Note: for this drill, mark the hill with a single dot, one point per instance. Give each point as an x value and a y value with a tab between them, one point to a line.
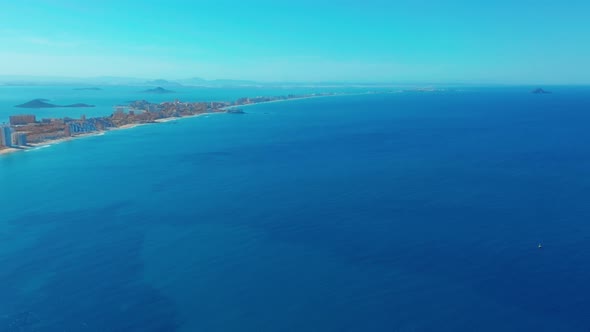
43	103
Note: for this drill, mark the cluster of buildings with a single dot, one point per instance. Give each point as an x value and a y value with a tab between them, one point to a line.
169	109
257	100
9	138
142	111
25	129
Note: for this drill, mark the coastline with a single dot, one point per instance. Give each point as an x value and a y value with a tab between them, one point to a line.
34	146
183	117
9	150
283	100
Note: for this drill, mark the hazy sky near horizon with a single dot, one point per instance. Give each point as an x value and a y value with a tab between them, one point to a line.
500	41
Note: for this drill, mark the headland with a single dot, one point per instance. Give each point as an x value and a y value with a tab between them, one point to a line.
26	132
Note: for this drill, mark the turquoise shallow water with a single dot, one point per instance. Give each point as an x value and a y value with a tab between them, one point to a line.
109	96
398	212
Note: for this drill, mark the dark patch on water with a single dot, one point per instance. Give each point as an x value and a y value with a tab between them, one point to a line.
21	322
439	212
85	274
463	200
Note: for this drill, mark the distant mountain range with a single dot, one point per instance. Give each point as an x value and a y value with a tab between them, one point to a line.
197	81
95	83
162	82
102	81
75	82
159	90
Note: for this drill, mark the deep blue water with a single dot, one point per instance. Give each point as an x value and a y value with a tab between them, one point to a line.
397	212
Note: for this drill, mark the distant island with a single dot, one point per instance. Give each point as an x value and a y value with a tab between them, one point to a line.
88	89
540	91
43	103
158	90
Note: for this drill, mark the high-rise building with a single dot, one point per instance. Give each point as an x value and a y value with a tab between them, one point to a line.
81	127
22	119
119	112
19	139
5	135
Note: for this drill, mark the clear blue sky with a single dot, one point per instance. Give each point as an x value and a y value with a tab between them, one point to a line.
496	41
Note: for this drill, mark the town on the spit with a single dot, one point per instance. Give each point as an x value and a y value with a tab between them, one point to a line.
25	130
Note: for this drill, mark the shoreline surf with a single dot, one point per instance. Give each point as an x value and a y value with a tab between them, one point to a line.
49	143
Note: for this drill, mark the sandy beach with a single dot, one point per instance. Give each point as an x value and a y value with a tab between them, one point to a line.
32	146
290	99
184	117
133	125
127	126
9	150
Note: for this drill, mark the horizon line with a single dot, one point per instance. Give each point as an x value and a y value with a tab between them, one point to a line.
67	80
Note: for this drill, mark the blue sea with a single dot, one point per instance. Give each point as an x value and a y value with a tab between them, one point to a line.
384	212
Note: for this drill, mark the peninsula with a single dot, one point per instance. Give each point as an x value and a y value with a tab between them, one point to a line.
44	103
26	131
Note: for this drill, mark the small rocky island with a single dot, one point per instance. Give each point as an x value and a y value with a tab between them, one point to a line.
540	91
159	90
44	103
